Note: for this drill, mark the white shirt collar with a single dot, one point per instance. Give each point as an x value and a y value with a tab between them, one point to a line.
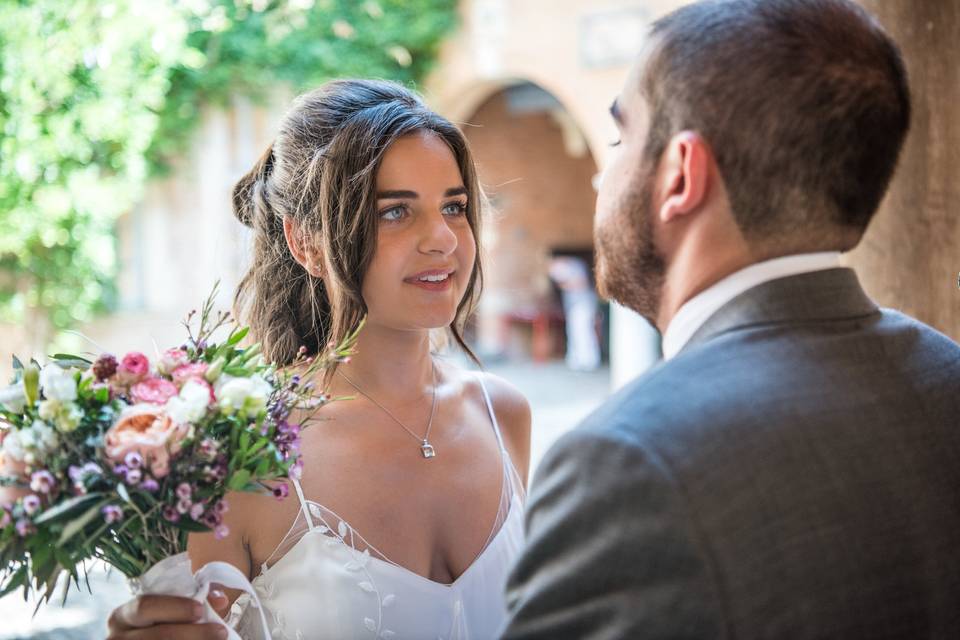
698	309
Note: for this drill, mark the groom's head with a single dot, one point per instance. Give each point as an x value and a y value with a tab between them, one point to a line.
749	129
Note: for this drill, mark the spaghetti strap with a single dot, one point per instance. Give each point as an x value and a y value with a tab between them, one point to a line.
303	503
493	416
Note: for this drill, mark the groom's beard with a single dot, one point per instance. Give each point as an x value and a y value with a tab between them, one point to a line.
630	269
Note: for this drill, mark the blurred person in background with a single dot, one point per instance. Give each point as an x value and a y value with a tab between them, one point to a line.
572	276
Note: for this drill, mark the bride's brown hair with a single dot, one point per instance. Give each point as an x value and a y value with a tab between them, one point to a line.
321	171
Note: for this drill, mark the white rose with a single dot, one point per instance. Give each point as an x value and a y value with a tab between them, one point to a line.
58	384
45	435
239	393
191	404
12	446
13	397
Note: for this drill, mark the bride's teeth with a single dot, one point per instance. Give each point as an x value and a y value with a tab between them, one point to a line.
437	278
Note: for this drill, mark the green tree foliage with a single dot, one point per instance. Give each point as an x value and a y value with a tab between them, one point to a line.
97	96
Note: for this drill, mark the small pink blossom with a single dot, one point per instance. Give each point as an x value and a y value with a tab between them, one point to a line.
133	368
31	504
153	390
43	482
149	484
171	360
221	532
184	505
112	513
196	511
184	491
193	370
170	514
134	476
25	528
5	518
281	491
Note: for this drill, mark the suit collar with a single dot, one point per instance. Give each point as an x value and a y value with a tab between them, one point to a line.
832	294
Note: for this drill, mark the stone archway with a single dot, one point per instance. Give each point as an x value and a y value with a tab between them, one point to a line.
537	168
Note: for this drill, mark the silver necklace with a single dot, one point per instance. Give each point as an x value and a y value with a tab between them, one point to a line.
426	449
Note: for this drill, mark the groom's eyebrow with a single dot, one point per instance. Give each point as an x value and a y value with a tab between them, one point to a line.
402	194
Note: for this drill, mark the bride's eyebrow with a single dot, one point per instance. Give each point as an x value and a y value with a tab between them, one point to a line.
402	194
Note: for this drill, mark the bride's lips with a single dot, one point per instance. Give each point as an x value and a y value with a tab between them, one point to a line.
432	284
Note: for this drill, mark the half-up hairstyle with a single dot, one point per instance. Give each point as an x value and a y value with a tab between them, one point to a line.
321	171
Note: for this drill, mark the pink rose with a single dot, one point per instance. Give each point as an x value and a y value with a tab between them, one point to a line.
133	368
153	390
185	372
172	359
144	428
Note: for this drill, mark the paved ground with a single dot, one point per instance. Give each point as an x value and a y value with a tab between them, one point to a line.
558	397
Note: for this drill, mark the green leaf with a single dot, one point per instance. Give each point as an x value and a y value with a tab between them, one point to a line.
76	526
237	336
122	490
244	441
18	579
239	480
67	507
102	395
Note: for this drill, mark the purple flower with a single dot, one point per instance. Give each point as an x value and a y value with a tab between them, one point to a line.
208	448
42	482
296	469
149	484
170	514
105	366
184	491
133	460
196	511
5	518
183	506
25	528
221	507
281	491
212	519
134	476
112	513
120	470
74	472
31	504
221	532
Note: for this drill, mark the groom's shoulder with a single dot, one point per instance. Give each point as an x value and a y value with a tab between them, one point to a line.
763	372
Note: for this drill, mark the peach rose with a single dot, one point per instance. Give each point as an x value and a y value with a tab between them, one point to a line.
144	428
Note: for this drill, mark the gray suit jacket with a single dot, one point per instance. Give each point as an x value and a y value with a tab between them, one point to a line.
793	473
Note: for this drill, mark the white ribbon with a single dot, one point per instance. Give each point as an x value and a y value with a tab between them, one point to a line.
173	576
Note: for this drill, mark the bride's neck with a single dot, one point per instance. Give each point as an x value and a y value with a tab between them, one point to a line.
390	363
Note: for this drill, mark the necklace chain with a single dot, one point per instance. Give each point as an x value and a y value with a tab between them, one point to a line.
426	449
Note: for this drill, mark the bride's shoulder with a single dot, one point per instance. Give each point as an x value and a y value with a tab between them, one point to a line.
511	409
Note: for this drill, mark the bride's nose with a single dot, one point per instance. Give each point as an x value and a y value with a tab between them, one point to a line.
436	236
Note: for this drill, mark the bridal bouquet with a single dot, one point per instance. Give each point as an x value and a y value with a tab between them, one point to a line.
123	459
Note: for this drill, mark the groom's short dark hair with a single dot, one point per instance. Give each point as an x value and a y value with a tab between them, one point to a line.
804	103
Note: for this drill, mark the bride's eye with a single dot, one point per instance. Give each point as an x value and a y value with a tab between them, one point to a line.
393	214
455	208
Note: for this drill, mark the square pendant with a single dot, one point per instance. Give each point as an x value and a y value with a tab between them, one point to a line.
427	450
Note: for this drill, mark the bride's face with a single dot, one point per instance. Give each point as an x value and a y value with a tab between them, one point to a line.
425	246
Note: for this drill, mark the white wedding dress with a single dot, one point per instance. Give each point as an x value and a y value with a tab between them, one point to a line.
325	581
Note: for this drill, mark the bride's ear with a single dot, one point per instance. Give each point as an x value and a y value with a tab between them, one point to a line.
304	249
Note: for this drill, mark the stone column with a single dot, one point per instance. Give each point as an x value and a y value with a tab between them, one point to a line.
910	256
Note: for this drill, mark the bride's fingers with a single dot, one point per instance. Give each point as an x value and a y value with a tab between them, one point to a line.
218	600
144	611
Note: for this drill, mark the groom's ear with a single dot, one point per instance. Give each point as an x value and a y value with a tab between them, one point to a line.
684	175
304	248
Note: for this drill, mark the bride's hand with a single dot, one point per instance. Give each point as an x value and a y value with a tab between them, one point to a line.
150	617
